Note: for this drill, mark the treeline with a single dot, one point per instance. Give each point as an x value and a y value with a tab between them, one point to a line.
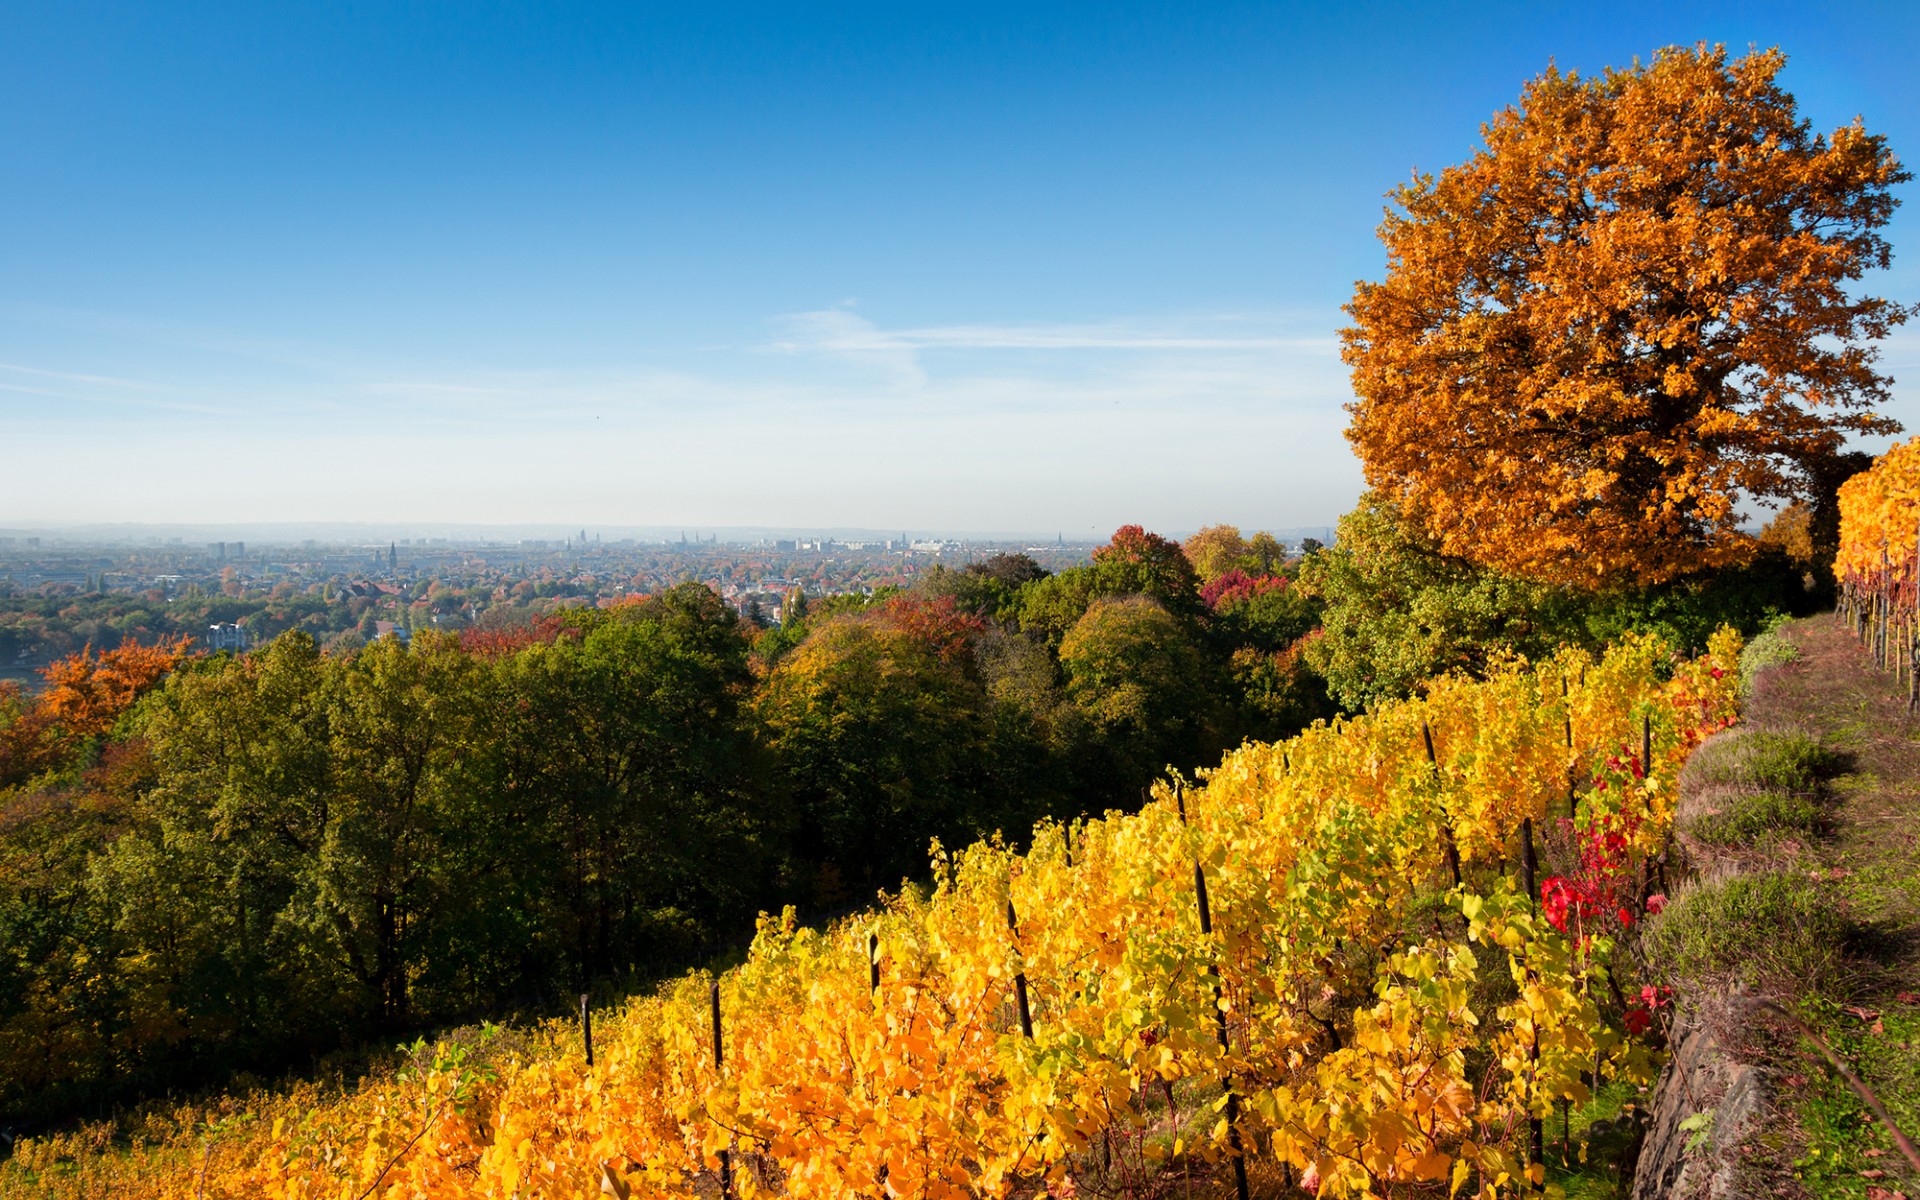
39	628
210	864
1397	609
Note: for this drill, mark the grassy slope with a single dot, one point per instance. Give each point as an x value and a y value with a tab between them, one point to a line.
1842	861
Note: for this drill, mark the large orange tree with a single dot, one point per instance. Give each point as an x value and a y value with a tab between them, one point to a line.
1624	316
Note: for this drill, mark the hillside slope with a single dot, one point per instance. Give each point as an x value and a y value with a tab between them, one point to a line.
1329	955
1803	829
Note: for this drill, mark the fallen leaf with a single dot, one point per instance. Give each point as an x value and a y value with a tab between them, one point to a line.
1876	1152
1878	1027
1876	1173
1865	1014
1908	997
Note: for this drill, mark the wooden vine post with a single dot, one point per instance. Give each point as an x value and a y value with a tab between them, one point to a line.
1446	821
1529	865
1529	875
586	1028
1913	627
1566	712
719	1066
1234	1149
1020	976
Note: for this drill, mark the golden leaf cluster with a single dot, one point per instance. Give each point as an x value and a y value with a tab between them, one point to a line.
1880	522
1622	315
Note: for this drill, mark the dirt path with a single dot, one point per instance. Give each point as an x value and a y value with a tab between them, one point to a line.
1868	859
1835	691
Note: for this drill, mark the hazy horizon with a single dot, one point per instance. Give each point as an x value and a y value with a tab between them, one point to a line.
286	533
980	269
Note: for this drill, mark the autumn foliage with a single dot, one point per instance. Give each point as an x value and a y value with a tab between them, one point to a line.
884	1056
1878	564
1217	549
493	644
1880	522
1234	586
1625	312
888	1047
936	622
85	694
1157	565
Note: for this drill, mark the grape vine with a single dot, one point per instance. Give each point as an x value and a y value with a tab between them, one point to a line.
1879	562
1353	1014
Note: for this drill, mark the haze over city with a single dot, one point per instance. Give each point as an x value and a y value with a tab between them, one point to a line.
986	268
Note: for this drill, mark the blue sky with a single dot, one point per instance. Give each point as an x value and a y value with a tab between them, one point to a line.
962	267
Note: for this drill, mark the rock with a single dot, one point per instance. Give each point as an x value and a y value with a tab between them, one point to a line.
1700	1078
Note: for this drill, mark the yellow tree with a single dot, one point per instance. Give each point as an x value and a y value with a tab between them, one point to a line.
1214	551
1624	314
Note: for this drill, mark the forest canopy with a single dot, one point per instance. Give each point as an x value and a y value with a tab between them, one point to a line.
221	862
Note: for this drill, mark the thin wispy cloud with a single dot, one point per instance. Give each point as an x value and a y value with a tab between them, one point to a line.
835	363
843	334
950	425
102	393
74	377
841	330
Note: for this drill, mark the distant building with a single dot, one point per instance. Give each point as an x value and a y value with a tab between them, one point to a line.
228	637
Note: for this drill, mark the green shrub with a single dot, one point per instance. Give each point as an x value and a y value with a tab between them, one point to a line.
1784	761
1762	929
1754	817
1766	649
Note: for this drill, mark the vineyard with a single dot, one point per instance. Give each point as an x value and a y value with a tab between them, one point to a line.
1379	957
1878	560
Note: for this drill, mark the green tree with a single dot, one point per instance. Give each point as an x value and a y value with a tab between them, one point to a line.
626	754
881	740
1134	562
1279	692
986	589
241	805
1136	674
401	722
1047	608
1265	612
1398	610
